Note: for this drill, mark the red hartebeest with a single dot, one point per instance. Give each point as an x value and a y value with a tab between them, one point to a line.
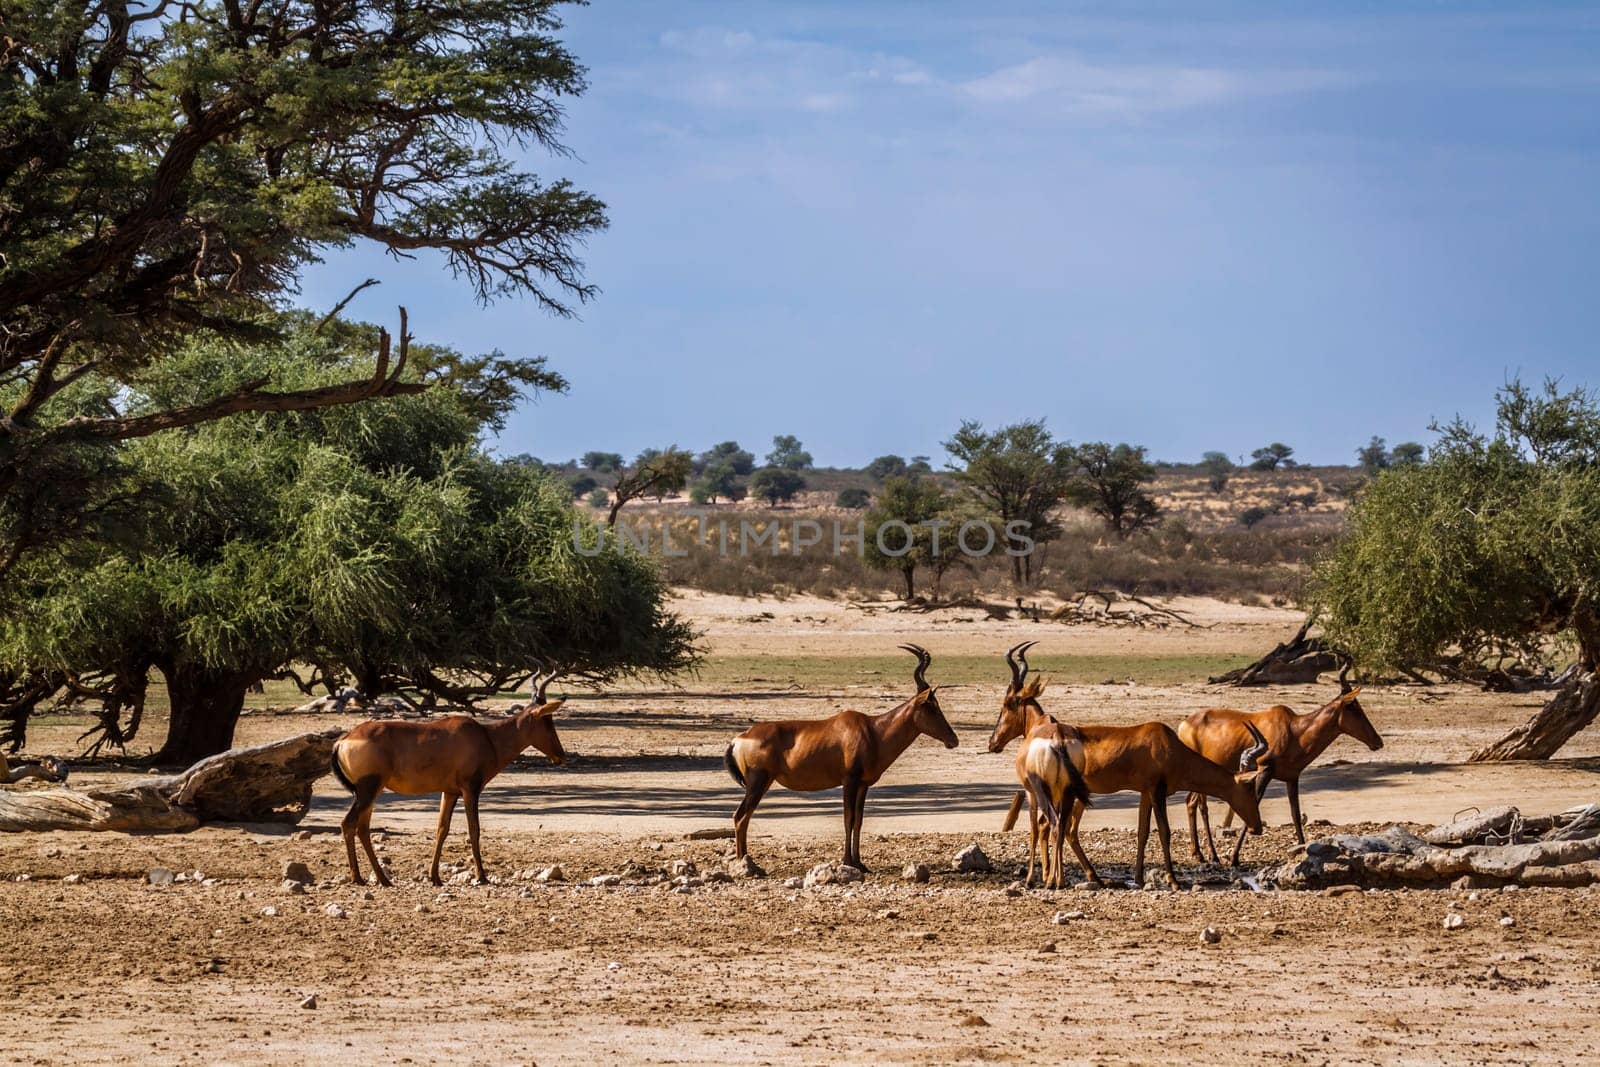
1148	759
454	757
848	749
1221	734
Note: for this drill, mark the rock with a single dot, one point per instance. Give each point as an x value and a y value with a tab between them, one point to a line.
793	883
745	868
212	966
269	912
301	835
334	911
295	871
553	873
289	885
160	876
1210	936
1341	890
888	913
831	874
972	1020
422	909
310	1002
1454	921
679	868
1088	887
606	880
72	879
1014	889
714	834
916	872
1048	946
1506	920
1062	918
971	859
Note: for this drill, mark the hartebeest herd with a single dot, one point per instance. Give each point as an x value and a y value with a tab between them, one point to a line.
1222	753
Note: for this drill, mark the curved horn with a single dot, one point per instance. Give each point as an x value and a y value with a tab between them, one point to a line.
545	677
1344	671
923	659
1251	756
1018	673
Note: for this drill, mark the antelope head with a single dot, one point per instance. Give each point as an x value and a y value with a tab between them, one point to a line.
1255	773
1021	696
541	731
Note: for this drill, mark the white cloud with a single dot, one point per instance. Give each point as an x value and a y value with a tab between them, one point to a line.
1132	90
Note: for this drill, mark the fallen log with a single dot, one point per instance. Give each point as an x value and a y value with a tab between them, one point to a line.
1396	857
1298	661
261	783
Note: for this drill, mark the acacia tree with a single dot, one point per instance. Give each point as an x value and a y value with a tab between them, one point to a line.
1490	546
1218	467
1109	481
897	535
167	169
375	543
788	454
776	485
1271	457
1018	473
655	472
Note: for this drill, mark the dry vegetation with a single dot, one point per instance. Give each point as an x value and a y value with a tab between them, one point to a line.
1201	548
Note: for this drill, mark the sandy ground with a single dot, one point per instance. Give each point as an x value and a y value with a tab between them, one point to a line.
890	971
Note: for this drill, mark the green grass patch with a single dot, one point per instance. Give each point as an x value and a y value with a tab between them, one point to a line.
828	671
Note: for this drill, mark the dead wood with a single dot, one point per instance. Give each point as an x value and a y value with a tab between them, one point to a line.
1298	661
261	783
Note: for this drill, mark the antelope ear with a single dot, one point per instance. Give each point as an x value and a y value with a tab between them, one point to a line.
1353	691
1033	687
551	708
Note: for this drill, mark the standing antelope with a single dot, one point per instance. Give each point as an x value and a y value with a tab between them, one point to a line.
1148	759
1047	767
1221	734
454	757
848	749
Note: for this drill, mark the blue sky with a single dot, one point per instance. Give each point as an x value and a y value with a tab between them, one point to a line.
1190	225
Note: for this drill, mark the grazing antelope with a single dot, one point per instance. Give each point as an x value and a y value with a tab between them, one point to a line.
848	749
1148	759
1221	734
454	757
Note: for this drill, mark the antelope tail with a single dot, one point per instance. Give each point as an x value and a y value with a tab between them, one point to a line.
1077	789
733	766
339	773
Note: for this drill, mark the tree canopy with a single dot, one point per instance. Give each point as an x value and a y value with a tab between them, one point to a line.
375	543
1109	480
1019	473
167	169
1490	546
788	454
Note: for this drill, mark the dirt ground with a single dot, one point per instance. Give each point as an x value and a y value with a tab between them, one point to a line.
106	968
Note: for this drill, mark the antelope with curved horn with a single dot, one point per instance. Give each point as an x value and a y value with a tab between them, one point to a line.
1148	759
454	757
1222	734
848	749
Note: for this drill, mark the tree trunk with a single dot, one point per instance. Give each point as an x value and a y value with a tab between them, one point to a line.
910	575
205	708
1572	708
